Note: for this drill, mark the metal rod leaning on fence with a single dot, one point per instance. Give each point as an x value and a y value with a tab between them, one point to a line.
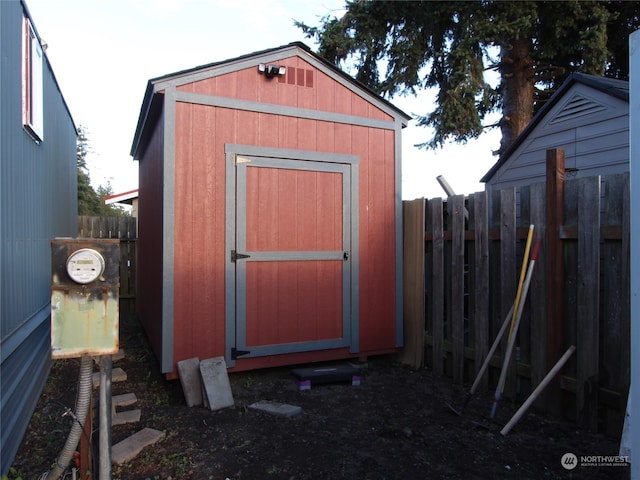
545	381
512	338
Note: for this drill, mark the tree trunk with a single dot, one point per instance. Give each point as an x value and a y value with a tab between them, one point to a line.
517	88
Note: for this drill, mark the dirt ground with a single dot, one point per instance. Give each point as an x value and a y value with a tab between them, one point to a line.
395	425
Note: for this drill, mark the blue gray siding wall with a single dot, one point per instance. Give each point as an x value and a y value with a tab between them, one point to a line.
38	201
590	125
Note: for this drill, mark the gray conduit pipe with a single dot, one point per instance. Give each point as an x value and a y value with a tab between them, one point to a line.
82	407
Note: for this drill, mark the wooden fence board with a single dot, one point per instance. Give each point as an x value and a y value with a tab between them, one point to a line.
480	316
508	267
436	306
615	291
536	353
456	320
588	302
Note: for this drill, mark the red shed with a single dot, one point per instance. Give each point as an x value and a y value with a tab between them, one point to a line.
269	213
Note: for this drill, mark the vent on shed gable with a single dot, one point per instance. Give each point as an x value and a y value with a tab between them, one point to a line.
298	76
577	106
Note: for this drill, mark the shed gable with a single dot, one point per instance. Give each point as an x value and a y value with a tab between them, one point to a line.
303	86
587	118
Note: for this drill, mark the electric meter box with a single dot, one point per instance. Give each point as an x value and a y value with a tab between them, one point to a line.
85	285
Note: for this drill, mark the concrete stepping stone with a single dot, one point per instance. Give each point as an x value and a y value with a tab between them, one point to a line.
281	409
128	416
130	447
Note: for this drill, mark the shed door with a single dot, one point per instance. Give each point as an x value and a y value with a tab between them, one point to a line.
292	265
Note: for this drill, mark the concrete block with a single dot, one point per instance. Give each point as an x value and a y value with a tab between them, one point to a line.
215	383
128	416
130	447
123	400
281	409
189	373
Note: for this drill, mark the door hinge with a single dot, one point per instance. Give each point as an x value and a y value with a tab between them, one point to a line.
345	256
235	353
236	256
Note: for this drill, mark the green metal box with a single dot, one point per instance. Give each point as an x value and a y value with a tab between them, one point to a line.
84	297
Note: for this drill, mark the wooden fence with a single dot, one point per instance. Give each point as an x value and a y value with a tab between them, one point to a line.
125	229
461	277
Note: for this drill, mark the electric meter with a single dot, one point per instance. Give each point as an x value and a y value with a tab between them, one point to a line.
85	265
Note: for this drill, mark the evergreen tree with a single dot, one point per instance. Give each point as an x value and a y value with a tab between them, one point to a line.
399	47
91	202
88	201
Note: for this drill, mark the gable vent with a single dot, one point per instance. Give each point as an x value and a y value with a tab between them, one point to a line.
577	106
298	76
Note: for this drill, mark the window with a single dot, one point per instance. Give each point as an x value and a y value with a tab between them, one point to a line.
32	101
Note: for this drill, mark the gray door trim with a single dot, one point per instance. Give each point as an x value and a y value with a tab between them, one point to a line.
291	159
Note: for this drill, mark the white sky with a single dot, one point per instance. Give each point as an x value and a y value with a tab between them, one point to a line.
103	52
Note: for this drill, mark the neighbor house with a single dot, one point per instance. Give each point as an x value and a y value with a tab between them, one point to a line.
270	213
38	201
588	117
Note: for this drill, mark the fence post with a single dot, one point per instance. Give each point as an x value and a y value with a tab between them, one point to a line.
555	176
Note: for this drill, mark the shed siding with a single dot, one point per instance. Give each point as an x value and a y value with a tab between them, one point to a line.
150	263
199	228
37	202
595	143
202	131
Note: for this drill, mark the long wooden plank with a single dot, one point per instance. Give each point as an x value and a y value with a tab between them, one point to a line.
615	277
436	300
522	351
537	351
456	321
413	291
508	265
614	327
480	316
588	302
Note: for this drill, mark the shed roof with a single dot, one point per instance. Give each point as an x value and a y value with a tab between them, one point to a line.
150	108
611	86
124	197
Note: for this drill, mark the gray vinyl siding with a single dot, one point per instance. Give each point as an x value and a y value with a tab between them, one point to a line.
595	140
38	201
